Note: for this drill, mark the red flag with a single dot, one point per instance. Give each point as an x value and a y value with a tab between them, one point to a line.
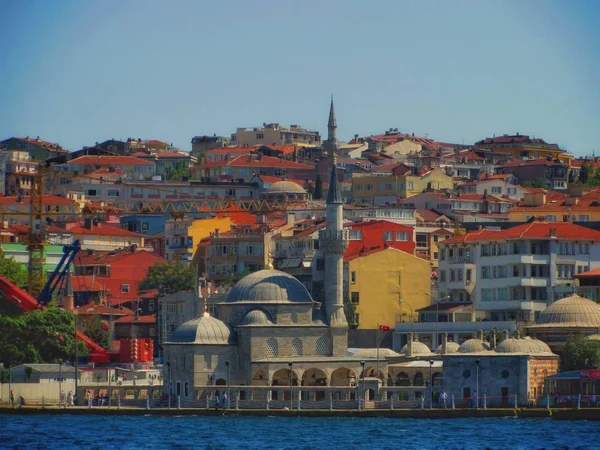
59	337
384	328
104	326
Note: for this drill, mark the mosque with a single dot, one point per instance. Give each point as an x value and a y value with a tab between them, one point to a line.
270	332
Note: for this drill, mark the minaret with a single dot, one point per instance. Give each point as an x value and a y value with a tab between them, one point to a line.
333	242
331	143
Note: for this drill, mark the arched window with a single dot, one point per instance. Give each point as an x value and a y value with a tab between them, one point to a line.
296	347
321	347
402	379
419	379
207	362
272	348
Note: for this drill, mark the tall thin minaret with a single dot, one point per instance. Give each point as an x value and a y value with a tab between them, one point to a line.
333	241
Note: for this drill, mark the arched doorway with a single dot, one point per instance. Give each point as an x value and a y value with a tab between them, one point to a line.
282	378
418	379
343	377
315	377
260	378
437	380
402	379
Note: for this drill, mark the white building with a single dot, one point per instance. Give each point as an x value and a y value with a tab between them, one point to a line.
514	274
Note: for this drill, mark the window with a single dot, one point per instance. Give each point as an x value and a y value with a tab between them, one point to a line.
91	192
355	297
151	305
452	275
321	347
355	235
272	348
485	272
551	218
443	276
410	185
125	289
207	362
468	277
505	373
353	277
496	189
387	236
402	235
145	226
260	136
584	218
436	238
296	347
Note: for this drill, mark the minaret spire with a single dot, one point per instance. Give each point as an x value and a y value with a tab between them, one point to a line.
331	143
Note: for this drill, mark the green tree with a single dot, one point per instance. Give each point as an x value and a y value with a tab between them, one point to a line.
318	195
92	328
539	183
178	172
580	353
170	277
14	271
584	173
37	337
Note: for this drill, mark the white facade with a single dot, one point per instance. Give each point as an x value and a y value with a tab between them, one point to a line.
513	279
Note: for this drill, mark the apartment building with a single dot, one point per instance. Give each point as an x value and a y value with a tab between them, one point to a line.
500	185
183	234
514	274
379	189
275	134
523	147
132	168
19	170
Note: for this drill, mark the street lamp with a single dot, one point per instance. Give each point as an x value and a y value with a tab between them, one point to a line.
430	384
170	382
228	383
291	366
437	317
362	388
477	383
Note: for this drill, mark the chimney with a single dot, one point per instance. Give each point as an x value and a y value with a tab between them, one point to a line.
409	345
216	232
493	338
444	343
504	335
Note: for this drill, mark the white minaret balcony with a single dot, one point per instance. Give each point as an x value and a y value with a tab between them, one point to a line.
334	241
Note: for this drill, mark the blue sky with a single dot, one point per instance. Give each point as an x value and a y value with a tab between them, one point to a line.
76	72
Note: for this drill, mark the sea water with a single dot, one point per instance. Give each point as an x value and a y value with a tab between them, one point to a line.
66	432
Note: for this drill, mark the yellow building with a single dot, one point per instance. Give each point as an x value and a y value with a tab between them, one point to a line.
580	205
381	189
183	234
522	147
387	286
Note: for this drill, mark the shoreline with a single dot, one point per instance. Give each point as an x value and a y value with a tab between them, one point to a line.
528	413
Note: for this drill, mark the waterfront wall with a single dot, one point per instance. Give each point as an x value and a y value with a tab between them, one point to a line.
34	392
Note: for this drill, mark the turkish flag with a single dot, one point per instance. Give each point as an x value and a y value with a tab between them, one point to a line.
60	338
104	326
384	328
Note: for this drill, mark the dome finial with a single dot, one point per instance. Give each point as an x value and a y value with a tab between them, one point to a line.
269	265
206	313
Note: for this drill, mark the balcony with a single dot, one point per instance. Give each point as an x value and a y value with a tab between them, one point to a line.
512	305
460	260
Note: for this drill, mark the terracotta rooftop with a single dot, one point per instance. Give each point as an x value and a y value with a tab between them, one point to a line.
530	230
103	160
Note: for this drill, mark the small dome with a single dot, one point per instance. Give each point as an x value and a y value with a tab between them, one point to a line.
285	188
473	346
270	286
256	317
417	348
372	353
203	330
526	345
451	347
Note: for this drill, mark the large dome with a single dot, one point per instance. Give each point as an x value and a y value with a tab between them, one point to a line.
270	286
204	330
574	311
285	188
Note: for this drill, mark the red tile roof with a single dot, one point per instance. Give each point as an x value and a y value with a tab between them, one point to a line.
531	230
104	160
372	251
266	161
136	320
285	149
226	150
93	309
40	142
589	273
102	230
